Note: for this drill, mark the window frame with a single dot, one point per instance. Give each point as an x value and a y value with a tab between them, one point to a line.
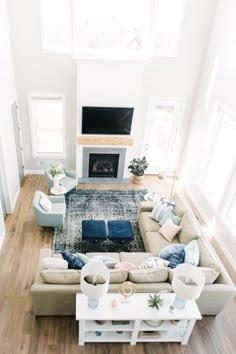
144	53
33	129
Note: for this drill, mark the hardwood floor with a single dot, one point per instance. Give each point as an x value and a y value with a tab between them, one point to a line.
21	332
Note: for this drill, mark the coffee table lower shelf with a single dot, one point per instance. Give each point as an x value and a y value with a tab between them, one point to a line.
176	326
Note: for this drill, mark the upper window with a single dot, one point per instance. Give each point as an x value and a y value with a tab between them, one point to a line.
219	174
47	125
111	27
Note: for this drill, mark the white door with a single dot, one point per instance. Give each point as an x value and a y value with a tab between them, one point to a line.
18	142
161	133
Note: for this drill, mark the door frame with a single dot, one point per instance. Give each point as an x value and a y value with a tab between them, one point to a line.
178	102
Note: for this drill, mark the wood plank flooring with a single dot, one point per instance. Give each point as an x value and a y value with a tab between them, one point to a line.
22	332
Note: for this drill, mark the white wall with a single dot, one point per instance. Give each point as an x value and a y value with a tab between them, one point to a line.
124	83
9	169
223	47
40	73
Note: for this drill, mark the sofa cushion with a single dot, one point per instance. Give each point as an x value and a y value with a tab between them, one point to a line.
135	257
152	275
146	223
60	276
155	242
180	206
209	273
207	258
169	230
191	253
118	276
190	229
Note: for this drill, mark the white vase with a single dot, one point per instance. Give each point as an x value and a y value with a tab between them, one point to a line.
56	182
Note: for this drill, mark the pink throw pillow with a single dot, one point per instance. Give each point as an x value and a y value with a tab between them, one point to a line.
125	266
169	230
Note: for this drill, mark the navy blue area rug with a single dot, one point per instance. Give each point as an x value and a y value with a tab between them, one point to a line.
98	205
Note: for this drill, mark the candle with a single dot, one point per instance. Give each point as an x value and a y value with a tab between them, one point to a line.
114	303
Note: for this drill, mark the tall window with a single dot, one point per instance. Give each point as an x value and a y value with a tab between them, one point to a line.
219	177
47	123
112	27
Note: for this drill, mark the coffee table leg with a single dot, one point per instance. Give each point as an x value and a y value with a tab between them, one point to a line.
188	332
81	332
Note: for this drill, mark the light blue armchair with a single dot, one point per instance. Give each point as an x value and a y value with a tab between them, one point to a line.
69	182
53	218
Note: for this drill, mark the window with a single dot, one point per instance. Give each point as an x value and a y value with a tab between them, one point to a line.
111	27
47	125
219	177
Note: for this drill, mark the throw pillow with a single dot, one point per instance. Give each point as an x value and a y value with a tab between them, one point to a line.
54	263
45	203
153	262
108	261
168	250
176	259
192	253
160	209
169	230
190	228
124	266
170	215
60	276
82	257
73	261
61	175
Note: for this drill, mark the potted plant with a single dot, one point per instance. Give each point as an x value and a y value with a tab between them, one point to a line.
137	168
154	301
55	170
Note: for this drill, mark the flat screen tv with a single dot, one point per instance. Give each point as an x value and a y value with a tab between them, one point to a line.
107	120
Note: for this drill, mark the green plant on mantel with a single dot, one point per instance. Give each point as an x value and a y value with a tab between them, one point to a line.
138	166
55	169
155	301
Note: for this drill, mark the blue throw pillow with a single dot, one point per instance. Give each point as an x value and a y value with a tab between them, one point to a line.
176	259
73	261
170	249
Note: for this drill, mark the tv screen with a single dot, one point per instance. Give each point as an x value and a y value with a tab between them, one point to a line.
106	120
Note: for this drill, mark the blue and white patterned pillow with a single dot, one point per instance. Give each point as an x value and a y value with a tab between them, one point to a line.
161	208
176	259
73	261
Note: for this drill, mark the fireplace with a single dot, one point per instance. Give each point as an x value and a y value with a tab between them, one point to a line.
103	162
103	165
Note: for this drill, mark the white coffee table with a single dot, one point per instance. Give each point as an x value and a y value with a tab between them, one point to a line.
135	311
58	191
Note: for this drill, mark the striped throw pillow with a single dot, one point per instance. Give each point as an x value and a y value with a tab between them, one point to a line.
161	208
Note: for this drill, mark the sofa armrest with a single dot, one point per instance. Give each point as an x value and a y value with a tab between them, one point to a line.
70	173
145	206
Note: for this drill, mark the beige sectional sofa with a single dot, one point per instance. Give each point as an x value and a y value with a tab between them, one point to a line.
53	291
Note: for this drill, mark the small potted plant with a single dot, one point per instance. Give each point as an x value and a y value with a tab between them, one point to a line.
55	170
154	301
137	168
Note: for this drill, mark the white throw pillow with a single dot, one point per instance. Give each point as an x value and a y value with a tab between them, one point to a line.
54	263
45	203
153	262
192	253
108	261
61	175
161	208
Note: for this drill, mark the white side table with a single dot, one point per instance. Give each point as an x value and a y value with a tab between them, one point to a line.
58	191
135	312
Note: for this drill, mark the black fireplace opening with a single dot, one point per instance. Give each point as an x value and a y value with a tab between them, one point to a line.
103	165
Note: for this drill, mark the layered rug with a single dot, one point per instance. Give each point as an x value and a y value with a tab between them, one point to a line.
98	205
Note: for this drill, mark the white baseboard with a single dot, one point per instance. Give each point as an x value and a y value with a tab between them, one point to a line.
15	200
34	172
2	237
